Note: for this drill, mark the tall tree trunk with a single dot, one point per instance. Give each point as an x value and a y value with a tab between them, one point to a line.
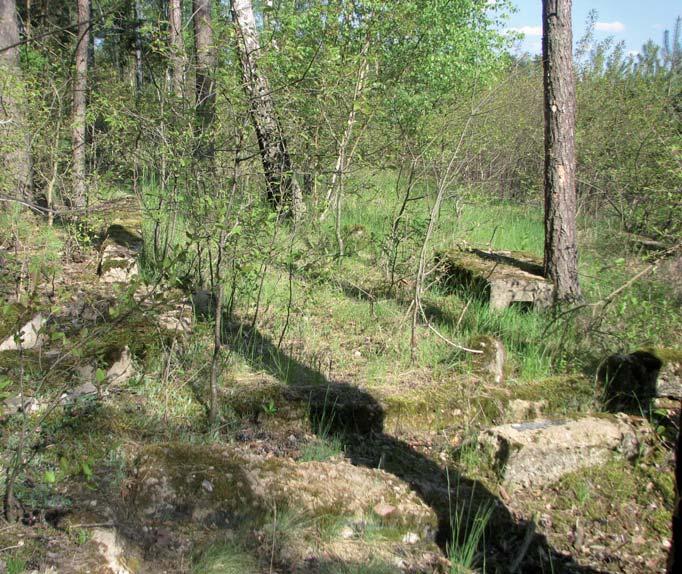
283	189
80	87
561	252
177	47
205	84
14	136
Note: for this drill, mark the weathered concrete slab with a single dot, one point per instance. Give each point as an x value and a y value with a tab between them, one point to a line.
118	258
505	277
539	452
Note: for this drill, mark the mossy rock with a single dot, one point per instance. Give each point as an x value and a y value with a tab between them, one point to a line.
184	482
566	394
220	486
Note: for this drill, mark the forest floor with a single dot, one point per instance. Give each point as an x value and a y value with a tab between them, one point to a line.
321	386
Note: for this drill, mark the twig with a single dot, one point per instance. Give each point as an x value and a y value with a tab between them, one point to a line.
451	343
21	543
93	525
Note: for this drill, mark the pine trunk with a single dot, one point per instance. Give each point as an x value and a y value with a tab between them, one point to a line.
14	136
282	188
561	253
80	88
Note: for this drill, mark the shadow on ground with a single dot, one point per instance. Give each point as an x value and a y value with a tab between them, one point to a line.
344	409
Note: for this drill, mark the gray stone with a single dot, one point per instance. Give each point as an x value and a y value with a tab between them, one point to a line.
118	258
118	264
122	370
14	405
114	554
85	373
493	358
540	452
169	308
80	391
204	303
178	319
29	335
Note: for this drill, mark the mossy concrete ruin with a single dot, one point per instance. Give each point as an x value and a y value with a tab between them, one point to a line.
502	277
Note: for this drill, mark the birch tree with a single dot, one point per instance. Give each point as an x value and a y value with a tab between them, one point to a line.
282	188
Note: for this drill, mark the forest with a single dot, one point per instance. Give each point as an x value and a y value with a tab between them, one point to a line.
337	287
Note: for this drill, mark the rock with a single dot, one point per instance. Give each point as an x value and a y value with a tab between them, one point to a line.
347	533
520	410
29	335
117	264
411	538
85	373
82	390
176	320
122	369
169	480
114	554
493	358
15	405
633	381
169	308
203	303
536	453
382	509
118	258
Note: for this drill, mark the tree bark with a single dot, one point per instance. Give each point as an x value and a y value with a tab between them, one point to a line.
205	84
282	188
561	252
177	48
14	136
139	71
80	88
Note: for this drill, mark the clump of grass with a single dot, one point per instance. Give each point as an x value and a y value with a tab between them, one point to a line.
468	523
321	449
225	558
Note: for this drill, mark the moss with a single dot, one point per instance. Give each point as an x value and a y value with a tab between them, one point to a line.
476	265
563	394
114	263
202	484
665	355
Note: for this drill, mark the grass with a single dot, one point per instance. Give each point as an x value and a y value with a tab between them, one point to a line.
15	565
225	558
321	449
468	523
